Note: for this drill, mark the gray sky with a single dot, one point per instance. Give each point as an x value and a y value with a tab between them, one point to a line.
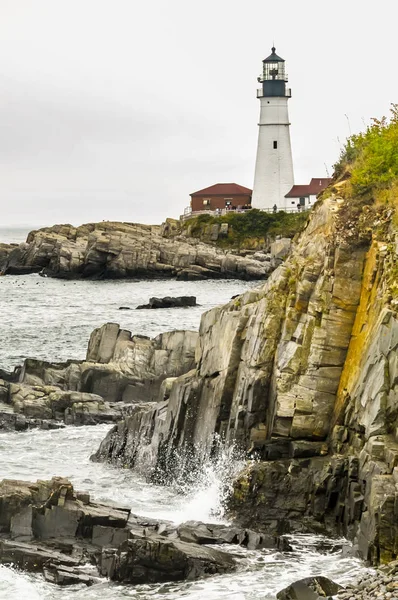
118	109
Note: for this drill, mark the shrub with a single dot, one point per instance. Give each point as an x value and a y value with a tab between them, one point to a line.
372	156
250	225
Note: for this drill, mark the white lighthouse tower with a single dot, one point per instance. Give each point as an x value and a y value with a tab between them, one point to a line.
274	164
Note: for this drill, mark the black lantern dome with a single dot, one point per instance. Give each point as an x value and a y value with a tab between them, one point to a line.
274	75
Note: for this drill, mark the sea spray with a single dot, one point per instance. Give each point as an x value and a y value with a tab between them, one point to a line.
203	483
16	584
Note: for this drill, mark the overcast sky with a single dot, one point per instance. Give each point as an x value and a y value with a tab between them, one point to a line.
118	109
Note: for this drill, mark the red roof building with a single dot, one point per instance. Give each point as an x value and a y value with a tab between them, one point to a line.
221	195
318	184
305	195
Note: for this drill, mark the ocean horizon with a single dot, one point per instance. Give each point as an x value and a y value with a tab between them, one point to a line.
15	234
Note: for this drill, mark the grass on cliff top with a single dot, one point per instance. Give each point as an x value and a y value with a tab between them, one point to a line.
249	226
368	170
370	159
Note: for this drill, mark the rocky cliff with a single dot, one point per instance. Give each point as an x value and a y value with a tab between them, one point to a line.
302	374
117	250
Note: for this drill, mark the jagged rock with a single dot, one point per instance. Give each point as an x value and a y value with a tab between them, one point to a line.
275	494
49	527
120	370
25	406
281	248
272	374
130	436
170	302
109	537
10	421
201	533
5	251
32	557
309	588
65	575
268	363
118	250
55	510
10	375
156	559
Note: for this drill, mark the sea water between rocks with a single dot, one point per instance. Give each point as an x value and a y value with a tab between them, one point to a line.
52	320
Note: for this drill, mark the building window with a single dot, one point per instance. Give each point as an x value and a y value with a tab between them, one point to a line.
206	202
275	145
293	202
228	202
302	201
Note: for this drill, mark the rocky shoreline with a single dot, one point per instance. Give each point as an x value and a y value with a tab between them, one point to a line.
121	373
50	528
300	375
111	250
382	583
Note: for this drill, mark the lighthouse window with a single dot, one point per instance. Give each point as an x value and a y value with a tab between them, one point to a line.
275	145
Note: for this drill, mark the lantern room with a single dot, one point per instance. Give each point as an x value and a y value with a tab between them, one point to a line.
274	67
274	76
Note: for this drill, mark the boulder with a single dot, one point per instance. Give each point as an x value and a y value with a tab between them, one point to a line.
202	533
10	375
32	557
156	559
281	248
170	302
47	407
309	588
5	251
10	421
61	574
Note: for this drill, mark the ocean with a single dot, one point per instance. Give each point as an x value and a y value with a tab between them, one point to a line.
15	234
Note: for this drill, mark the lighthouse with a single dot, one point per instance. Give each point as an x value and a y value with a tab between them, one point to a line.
273	177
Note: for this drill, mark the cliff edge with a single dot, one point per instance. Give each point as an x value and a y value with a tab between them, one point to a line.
302	374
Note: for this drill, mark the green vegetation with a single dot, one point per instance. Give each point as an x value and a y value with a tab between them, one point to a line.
371	158
368	173
244	229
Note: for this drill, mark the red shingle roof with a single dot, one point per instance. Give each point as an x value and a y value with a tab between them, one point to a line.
316	186
298	191
319	184
224	189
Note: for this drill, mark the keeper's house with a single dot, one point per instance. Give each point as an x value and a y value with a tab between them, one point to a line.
228	196
304	196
